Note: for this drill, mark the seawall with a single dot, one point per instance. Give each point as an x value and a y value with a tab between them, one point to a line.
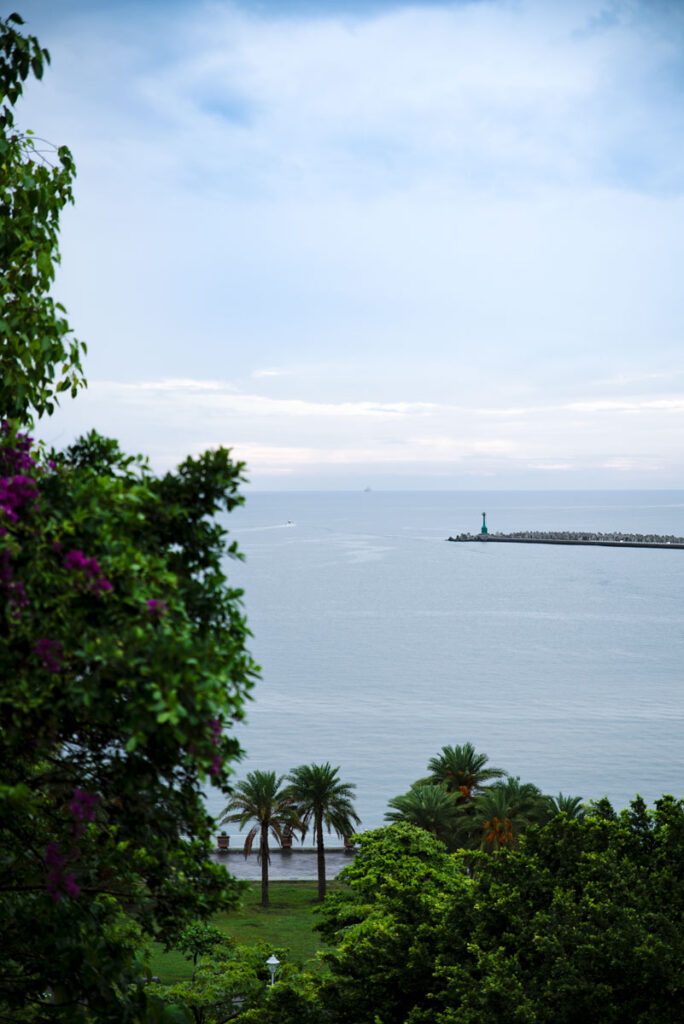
576	539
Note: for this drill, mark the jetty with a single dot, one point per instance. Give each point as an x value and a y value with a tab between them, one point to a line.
599	540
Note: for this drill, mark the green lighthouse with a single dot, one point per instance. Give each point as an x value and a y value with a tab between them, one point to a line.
484	523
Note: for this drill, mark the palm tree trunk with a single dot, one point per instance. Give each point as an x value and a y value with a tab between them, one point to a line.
321	860
264	865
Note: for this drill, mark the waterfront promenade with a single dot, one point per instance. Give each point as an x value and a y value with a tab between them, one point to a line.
294	865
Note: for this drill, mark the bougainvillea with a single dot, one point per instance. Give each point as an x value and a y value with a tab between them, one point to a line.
115	709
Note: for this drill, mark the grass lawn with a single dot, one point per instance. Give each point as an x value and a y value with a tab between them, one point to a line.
288	921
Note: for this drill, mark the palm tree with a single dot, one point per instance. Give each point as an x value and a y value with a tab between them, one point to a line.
260	799
322	800
462	771
430	808
504	811
571	806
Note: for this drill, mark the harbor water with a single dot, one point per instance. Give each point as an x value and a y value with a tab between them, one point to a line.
379	642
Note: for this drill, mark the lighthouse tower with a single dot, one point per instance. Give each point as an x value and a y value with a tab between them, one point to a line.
484	523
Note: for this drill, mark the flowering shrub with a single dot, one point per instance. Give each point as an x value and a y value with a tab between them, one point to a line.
114	705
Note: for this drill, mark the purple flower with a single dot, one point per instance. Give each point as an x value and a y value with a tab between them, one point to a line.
17	598
14	455
50	654
59	883
53	858
216	765
215	729
83	805
155	608
77	561
15	492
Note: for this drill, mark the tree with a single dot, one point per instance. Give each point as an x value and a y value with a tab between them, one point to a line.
428	807
462	771
122	668
322	800
229	980
580	921
385	920
505	810
261	799
570	806
39	357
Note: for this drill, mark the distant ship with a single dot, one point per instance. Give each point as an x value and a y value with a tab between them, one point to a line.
366	490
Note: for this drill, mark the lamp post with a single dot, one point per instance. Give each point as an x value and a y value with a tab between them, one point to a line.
272	964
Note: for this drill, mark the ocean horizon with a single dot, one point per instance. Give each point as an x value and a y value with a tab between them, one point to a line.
379	643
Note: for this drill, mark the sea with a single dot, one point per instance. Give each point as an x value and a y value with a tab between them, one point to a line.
379	642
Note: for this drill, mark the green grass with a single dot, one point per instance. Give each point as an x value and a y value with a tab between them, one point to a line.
287	922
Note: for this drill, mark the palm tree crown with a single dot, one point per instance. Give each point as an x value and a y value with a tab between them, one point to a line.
462	770
260	799
323	801
505	811
571	806
431	808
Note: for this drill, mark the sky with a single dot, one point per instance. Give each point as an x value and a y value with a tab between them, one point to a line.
397	245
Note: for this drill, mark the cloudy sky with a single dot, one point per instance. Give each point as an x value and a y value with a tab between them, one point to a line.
404	245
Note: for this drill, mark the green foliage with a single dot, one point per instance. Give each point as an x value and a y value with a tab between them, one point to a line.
582	920
294	999
39	357
322	801
232	982
431	808
385	919
570	806
288	921
122	668
261	799
461	770
198	939
455	803
503	812
224	976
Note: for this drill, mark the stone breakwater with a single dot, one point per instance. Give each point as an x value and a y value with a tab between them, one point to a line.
614	540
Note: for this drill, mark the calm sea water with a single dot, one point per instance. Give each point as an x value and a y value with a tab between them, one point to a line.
380	643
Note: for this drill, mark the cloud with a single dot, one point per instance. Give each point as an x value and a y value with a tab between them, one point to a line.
218	396
273	372
460	222
305	440
177	385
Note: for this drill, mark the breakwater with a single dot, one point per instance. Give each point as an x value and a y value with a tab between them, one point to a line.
610	540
